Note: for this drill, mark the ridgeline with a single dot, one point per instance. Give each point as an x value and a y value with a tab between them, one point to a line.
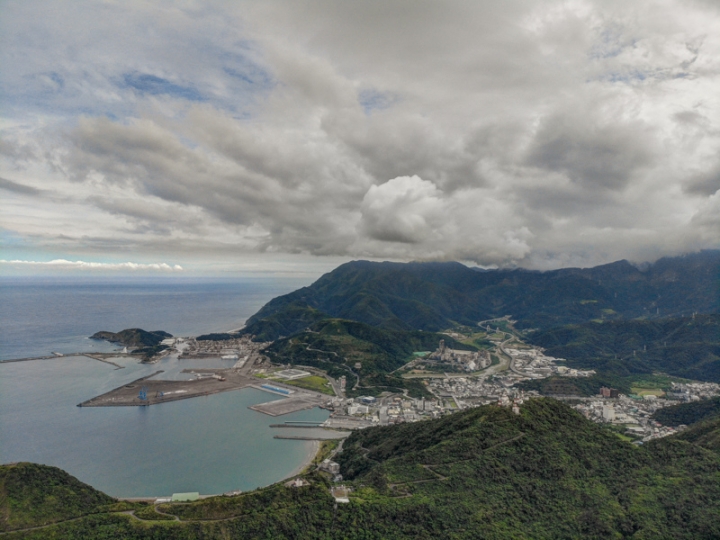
436	296
337	346
623	321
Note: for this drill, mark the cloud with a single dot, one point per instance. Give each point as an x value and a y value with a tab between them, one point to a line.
512	133
83	265
9	185
599	154
405	209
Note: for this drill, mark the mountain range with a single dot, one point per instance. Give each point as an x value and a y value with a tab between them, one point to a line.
436	296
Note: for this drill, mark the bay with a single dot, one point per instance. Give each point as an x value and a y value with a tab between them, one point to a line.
210	444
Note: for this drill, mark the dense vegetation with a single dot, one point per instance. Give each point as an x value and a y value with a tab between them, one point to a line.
223	336
434	296
133	337
688	413
618	315
479	473
338	345
581	386
705	434
687	347
32	495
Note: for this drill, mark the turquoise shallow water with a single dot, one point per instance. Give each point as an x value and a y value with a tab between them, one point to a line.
209	444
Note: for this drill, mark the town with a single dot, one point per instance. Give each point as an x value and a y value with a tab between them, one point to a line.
453	390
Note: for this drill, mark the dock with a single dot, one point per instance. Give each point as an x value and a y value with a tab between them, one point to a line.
288	405
298	426
150	391
330	437
161	391
117	366
58	356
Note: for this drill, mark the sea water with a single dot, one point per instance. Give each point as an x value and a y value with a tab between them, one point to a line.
210	444
39	316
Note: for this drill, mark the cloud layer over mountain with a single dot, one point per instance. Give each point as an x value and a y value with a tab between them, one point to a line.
538	134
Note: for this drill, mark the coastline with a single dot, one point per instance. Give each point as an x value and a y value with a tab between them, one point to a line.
310	456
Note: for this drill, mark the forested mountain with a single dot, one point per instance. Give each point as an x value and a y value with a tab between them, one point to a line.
434	296
34	495
360	352
705	433
480	473
688	413
686	347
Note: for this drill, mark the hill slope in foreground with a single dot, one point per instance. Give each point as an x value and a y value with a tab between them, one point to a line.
479	473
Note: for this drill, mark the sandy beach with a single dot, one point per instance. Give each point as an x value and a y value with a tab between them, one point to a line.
314	449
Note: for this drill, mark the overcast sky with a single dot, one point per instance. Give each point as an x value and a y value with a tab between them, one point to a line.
211	137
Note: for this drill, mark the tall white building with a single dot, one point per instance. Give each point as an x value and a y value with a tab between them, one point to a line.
608	413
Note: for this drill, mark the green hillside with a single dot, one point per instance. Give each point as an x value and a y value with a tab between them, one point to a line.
705	434
688	413
548	473
434	296
336	346
133	337
479	473
33	495
682	347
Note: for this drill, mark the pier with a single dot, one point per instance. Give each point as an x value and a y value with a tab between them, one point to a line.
298	426
150	391
101	357
330	437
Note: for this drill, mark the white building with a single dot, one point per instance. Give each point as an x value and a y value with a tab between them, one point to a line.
608	413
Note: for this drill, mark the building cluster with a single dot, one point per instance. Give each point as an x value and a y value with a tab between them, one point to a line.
694	391
368	411
455	391
633	415
241	350
630	414
464	392
457	359
534	364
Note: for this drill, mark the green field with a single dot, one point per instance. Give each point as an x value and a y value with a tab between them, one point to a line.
647	391
313	382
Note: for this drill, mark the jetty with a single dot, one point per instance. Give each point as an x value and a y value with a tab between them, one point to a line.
149	390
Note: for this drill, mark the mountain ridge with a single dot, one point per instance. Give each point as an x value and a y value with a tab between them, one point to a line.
435	296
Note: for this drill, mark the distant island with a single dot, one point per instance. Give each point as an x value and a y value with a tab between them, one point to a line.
146	343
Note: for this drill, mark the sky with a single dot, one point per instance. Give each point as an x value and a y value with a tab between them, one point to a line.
288	137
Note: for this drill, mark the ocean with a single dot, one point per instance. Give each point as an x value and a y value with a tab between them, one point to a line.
211	444
42	315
